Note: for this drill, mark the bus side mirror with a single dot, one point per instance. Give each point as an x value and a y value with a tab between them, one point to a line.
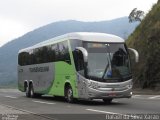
85	59
135	53
84	52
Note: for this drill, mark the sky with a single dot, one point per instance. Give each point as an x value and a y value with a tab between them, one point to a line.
18	17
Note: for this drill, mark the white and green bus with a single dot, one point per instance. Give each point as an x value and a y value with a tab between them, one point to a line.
77	66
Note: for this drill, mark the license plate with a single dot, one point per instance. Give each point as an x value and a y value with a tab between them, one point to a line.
112	94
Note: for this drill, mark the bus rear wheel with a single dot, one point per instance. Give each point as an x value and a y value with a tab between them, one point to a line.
31	91
33	94
69	94
27	91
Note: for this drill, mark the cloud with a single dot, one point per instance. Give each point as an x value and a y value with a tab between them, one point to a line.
10	29
19	16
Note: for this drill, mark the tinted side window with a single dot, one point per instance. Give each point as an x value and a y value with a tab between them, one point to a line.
44	54
23	58
63	52
51	53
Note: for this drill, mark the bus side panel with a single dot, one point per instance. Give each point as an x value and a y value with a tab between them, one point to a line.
42	76
20	78
82	86
64	72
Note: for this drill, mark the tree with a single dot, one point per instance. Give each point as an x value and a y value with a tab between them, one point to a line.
136	15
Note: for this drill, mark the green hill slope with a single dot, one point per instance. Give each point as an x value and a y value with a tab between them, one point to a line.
146	39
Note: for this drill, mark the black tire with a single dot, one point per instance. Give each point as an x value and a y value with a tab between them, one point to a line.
69	94
27	91
107	100
31	90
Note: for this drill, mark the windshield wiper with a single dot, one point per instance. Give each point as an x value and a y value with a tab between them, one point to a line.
105	71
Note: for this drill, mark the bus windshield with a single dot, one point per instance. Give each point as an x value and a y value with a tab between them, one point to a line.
108	62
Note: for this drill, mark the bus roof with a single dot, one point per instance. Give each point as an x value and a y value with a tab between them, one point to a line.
84	36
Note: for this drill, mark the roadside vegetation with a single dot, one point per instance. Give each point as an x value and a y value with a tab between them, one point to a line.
146	39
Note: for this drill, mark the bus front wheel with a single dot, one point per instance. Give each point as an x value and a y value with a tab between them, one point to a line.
69	94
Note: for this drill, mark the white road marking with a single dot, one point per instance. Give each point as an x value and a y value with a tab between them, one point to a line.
146	97
11	97
49	103
136	95
115	101
155	97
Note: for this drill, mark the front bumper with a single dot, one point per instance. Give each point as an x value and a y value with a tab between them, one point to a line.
110	93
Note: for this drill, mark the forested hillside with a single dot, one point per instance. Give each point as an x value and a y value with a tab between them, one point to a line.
146	39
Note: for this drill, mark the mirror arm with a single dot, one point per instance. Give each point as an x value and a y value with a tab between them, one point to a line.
85	57
135	53
85	53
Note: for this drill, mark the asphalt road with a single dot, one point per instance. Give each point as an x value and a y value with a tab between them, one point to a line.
14	104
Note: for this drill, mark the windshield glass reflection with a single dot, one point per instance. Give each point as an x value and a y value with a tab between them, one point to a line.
107	61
